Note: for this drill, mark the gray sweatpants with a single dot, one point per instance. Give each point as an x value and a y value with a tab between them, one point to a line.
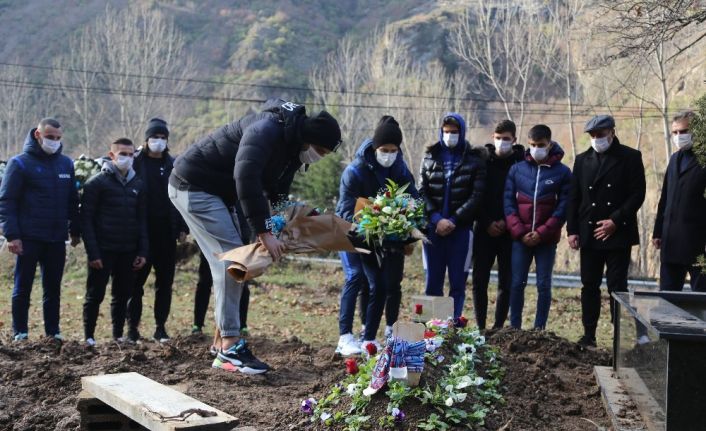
215	230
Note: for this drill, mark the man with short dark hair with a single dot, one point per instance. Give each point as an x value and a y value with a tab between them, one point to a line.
492	238
536	195
38	209
113	212
607	190
154	164
680	226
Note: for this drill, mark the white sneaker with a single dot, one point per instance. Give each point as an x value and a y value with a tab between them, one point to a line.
364	348
90	342
644	339
388	332
348	345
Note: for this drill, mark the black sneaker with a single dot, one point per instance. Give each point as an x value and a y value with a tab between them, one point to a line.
240	357
587	341
160	334
133	335
196	330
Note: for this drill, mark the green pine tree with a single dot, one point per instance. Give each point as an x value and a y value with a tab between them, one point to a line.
318	186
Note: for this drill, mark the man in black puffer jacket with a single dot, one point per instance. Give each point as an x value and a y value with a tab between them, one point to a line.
491	238
252	161
452	182
113	215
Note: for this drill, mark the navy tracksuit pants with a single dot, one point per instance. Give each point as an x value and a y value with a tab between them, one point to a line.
450	253
51	257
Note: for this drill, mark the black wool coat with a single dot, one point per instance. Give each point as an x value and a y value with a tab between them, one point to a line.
613	188
681	215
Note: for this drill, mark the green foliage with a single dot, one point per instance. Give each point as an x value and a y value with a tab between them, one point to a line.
318	187
698	130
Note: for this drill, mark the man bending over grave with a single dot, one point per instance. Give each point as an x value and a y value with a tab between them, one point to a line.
251	161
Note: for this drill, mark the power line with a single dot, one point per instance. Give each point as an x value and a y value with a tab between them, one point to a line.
144	93
306	89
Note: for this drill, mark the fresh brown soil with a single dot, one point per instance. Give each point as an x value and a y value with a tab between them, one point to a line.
548	385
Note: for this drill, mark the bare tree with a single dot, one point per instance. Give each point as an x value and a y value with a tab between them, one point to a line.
642	26
16	103
653	34
563	19
78	73
362	81
337	83
502	42
141	47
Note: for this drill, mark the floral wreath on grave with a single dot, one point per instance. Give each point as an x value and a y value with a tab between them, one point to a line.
461	377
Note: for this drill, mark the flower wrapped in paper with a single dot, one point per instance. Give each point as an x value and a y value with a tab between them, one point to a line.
302	229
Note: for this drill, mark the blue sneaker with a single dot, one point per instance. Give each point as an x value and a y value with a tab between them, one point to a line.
240	357
21	336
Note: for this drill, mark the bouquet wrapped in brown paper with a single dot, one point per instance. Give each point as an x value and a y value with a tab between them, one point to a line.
302	230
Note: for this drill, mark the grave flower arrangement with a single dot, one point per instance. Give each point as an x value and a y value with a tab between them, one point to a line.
456	392
391	216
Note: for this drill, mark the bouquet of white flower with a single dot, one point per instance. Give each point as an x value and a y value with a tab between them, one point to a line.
85	168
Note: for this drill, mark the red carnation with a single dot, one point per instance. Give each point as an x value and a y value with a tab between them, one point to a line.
461	322
429	334
352	366
418	309
376	207
388	195
371	349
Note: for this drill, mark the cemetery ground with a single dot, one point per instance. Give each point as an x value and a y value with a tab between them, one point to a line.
548	383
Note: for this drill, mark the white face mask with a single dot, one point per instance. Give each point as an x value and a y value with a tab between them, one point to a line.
450	139
157	145
385	159
682	141
502	147
49	146
539	154
309	156
600	145
124	163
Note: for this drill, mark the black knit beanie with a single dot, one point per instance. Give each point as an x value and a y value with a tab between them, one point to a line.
156	126
387	132
322	130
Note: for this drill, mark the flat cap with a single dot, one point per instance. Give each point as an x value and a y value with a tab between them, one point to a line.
599	122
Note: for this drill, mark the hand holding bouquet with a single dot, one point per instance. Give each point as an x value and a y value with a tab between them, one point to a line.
302	230
391	216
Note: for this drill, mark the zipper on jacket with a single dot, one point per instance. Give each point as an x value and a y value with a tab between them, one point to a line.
534	204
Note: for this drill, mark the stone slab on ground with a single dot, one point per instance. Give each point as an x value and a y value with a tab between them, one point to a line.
156	406
622	410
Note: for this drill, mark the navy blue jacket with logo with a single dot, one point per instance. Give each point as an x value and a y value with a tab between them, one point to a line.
38	195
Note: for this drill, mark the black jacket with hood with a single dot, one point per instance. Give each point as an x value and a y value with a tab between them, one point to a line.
113	213
249	160
176	221
466	183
